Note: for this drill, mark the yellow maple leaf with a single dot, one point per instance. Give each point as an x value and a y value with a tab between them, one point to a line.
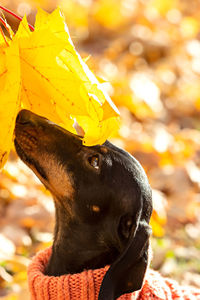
9	96
53	81
52	69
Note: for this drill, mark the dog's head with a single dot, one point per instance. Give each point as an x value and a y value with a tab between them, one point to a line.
103	203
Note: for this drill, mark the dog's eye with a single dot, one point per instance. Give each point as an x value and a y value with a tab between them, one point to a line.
94	161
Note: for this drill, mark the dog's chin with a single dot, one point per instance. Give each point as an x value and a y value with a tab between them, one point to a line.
21	152
27	158
26	144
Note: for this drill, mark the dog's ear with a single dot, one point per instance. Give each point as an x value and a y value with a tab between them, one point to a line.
126	274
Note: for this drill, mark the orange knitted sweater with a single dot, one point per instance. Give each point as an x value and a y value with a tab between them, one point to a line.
86	285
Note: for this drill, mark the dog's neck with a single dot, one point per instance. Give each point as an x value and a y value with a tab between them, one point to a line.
70	252
63	259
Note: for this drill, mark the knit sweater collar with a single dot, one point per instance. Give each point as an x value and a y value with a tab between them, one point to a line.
86	285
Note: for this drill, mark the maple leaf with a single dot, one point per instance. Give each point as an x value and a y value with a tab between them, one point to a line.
9	95
69	89
53	81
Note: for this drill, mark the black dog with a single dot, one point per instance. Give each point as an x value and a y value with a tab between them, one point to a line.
102	199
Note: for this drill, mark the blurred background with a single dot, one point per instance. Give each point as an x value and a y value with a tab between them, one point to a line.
147	54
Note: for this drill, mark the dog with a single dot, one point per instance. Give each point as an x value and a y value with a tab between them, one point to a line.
103	203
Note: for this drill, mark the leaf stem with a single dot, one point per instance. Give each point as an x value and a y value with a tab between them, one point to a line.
3	22
1	30
16	16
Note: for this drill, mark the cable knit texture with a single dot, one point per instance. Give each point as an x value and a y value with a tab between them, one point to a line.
86	285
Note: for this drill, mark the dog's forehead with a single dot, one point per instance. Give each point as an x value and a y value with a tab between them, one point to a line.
126	162
128	171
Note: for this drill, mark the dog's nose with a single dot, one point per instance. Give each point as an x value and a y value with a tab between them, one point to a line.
25	117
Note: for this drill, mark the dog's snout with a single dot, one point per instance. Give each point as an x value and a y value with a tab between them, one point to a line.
25	117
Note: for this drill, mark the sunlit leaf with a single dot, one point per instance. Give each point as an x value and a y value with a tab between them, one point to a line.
9	95
55	82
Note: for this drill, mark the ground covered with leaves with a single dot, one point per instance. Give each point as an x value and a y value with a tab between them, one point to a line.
147	53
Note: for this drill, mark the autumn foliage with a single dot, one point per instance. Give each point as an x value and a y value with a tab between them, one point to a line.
148	54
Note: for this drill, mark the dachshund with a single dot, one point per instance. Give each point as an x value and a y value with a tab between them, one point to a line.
103	203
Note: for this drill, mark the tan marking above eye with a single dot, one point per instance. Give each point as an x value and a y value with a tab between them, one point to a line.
103	150
95	208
